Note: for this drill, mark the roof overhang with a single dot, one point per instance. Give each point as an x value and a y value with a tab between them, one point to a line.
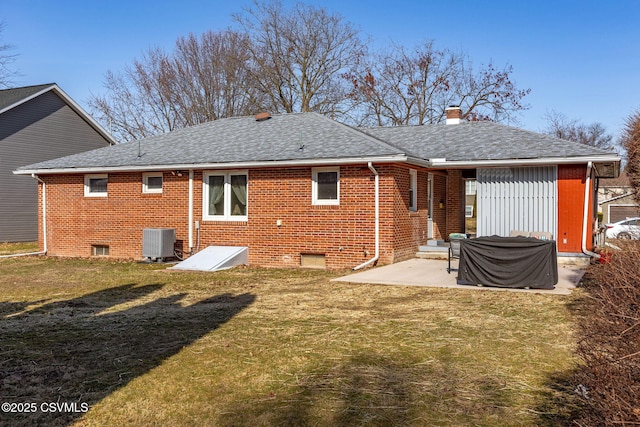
607	166
210	166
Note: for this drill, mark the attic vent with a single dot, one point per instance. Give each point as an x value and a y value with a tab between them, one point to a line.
260	117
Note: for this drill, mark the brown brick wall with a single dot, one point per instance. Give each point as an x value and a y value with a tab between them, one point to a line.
344	233
409	227
455	202
76	222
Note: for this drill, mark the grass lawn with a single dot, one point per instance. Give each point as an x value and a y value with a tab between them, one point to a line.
18	248
140	345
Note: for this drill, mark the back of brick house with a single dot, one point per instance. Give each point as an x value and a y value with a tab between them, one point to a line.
282	222
281	217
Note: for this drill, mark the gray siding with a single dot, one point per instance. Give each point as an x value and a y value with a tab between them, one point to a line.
522	199
41	129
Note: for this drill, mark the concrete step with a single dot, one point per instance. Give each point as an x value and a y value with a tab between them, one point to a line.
434	249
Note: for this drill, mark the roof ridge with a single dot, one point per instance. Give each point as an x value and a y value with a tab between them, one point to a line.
353	129
28	87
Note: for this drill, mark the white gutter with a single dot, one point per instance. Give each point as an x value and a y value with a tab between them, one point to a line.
585	215
190	210
442	163
44	223
232	165
377	219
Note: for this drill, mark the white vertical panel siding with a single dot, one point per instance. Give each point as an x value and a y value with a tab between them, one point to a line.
522	199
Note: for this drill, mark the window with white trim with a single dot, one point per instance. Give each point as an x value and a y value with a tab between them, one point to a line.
326	186
468	211
95	185
152	182
225	196
470	187
413	190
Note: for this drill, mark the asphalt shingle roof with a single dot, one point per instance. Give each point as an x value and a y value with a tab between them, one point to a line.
472	141
311	136
303	136
8	97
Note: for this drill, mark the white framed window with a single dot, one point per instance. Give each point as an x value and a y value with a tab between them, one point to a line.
468	211
325	186
225	195
152	182
470	187
413	190
95	185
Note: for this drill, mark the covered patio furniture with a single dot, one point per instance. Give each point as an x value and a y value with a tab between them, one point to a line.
509	262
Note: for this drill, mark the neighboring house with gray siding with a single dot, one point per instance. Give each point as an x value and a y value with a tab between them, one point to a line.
37	123
615	199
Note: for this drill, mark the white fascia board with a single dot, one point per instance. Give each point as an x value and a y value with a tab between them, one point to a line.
210	166
444	164
416	161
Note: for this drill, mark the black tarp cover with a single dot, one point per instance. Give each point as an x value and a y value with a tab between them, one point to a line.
509	262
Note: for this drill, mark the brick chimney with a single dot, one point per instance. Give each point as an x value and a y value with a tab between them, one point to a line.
454	114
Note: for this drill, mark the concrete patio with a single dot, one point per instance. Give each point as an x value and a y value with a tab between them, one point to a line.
433	273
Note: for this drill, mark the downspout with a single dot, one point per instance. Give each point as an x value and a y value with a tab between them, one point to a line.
585	216
377	219
190	211
44	222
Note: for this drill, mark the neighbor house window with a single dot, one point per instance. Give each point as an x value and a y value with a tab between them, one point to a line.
225	196
152	182
470	187
468	211
326	186
95	185
413	190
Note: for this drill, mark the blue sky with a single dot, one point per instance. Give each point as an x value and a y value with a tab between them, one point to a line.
579	58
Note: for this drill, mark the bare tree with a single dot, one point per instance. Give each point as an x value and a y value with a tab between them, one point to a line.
298	56
398	87
572	130
6	58
203	79
630	140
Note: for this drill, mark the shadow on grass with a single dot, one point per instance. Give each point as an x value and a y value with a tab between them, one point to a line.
374	390
75	353
561	406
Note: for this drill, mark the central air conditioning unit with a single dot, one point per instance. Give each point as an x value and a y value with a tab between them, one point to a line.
157	243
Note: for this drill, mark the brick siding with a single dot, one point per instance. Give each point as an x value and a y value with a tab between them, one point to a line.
343	233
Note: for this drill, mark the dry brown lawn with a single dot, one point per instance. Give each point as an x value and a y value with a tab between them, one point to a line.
140	345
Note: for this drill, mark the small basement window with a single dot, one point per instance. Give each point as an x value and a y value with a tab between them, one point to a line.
318	261
152	182
100	250
95	185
